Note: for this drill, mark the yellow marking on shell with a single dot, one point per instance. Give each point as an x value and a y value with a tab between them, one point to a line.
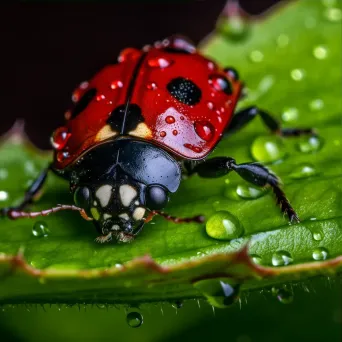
95	213
142	131
104	133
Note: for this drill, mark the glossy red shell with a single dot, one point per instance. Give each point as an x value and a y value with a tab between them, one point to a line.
189	131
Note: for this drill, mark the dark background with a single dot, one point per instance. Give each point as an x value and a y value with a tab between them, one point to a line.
49	48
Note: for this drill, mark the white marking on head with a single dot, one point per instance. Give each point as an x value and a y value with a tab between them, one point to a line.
115	227
106	216
127	194
136	202
138	213
103	193
124	216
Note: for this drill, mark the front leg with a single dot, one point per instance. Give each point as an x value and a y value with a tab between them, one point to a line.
243	117
254	173
31	194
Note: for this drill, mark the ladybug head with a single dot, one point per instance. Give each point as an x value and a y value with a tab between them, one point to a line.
119	182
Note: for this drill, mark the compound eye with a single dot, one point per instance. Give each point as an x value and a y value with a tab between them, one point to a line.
82	198
156	197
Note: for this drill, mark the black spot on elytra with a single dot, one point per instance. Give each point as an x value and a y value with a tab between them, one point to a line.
184	91
83	102
133	118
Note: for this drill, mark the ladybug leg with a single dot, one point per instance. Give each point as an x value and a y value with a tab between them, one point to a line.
243	117
31	194
254	173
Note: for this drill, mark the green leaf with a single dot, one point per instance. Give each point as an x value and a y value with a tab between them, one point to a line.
291	64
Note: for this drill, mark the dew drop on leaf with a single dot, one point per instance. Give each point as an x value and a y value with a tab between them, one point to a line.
297	74
283	40
317	234
247	191
310	144
290	114
256	56
3	195
256	259
320	253
303	171
281	258
219	292
320	52
316	104
284	296
3	174
267	148
232	25
40	229
333	14
134	319
224	226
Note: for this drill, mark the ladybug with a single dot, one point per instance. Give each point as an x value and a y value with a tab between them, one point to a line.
141	123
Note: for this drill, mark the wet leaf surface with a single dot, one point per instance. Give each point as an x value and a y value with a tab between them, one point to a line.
291	64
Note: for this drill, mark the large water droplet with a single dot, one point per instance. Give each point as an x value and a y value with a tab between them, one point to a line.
60	138
219	292
320	52
40	229
303	171
224	226
316	104
317	234
290	114
256	56
333	14
134	319
284	295
247	191
297	74
159	62
310	144
3	195
320	253
204	130
281	258
268	148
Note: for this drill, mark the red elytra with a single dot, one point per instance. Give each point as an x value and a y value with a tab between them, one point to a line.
176	93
